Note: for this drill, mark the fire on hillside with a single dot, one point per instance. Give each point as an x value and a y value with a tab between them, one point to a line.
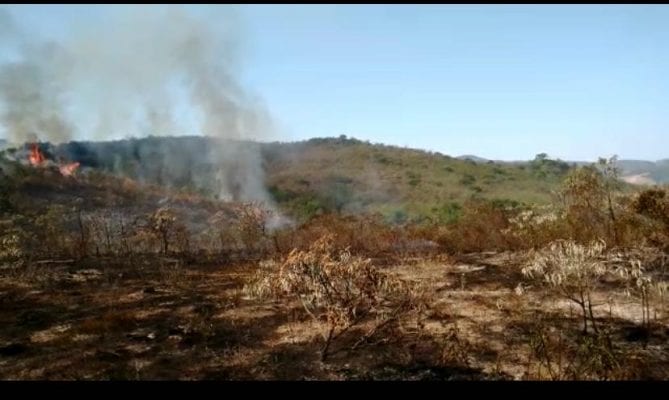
37	159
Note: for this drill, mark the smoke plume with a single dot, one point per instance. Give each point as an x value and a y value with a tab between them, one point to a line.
143	71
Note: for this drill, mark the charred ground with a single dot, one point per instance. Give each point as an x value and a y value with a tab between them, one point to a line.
139	274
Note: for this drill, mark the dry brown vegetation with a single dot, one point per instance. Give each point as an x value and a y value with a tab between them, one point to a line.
103	278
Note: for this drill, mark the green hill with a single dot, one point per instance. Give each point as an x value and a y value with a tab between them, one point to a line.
331	174
350	175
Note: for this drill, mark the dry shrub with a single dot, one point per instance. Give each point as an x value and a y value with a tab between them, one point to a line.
10	246
555	356
418	240
106	231
252	225
536	227
639	283
595	208
162	231
572	270
143	240
633	229
483	226
50	233
240	227
339	289
362	234
653	203
583	193
163	224
455	348
222	232
653	206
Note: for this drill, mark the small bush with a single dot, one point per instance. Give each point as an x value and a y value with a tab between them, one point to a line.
571	270
337	288
555	356
482	226
467	180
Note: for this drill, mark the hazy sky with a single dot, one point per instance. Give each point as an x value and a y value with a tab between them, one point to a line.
498	81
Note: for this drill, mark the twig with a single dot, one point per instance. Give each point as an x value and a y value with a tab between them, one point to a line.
371	333
55	261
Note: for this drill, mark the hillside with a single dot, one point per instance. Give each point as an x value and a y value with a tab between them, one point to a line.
34	193
340	174
636	172
654	172
351	175
474	158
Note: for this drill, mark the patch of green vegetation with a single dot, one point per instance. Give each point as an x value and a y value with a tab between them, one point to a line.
414	178
467	180
398	216
281	196
448	213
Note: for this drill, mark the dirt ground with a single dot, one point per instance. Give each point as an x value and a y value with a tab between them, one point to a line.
159	320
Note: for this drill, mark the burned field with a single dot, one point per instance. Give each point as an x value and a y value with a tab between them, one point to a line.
166	320
103	277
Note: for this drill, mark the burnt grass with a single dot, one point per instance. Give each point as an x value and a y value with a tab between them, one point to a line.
102	320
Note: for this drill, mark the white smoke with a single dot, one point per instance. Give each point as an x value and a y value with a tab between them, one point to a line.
122	77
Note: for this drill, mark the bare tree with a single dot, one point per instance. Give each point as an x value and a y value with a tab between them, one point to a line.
163	223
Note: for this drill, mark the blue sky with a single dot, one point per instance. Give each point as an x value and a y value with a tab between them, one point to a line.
499	81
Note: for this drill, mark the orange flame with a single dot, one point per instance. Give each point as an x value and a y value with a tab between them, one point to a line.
36	157
68	169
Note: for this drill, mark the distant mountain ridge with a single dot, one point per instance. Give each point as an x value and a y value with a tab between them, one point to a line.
476	159
641	172
655	172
